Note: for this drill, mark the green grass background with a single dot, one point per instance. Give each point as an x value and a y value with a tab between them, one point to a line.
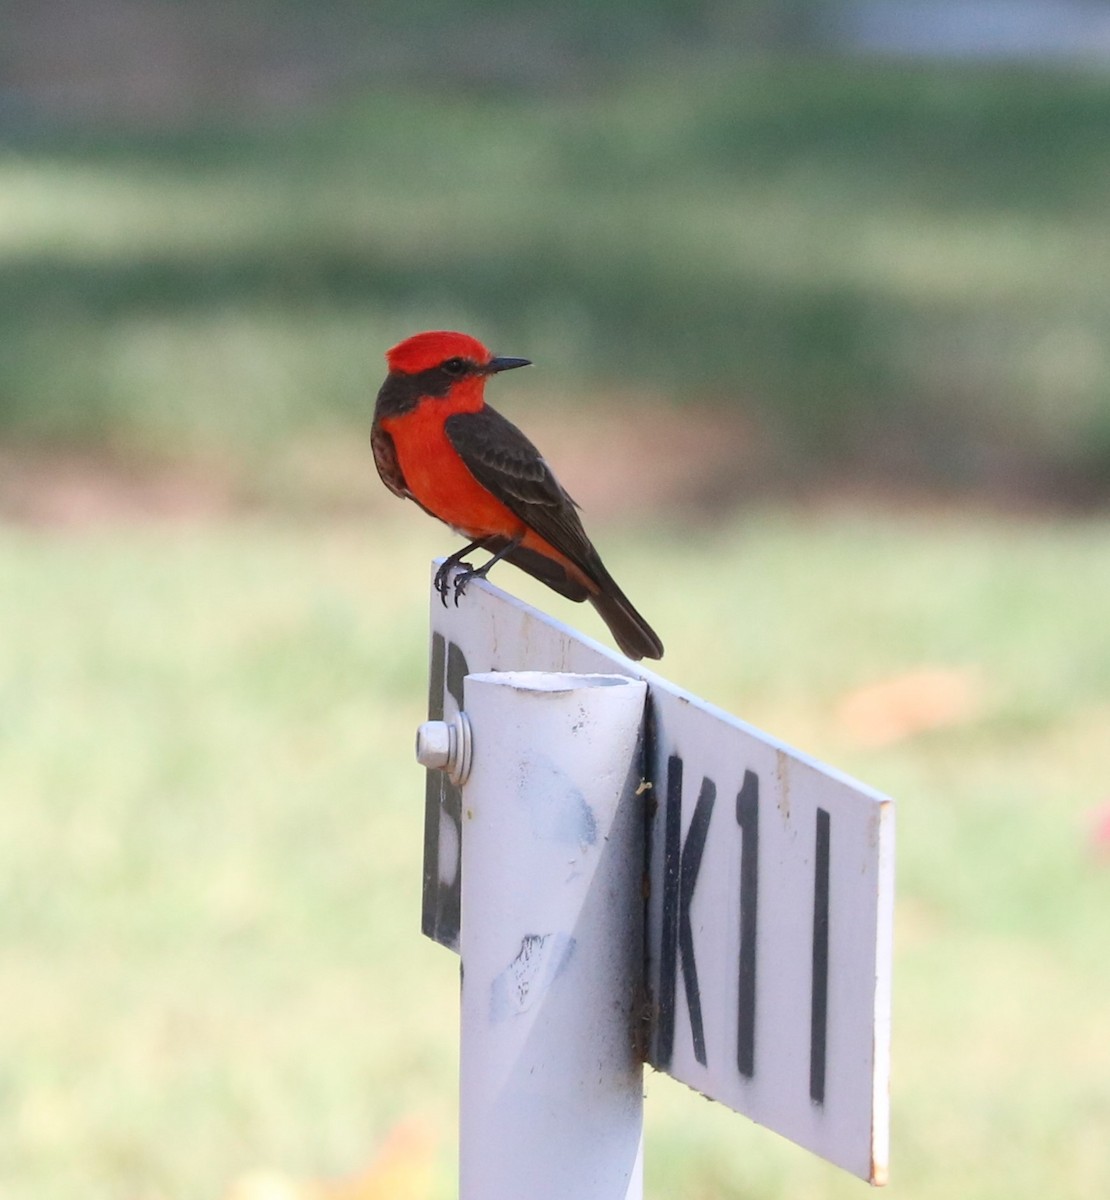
210	821
210	844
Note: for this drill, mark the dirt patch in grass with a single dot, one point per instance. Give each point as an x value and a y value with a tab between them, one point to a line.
623	461
76	488
617	463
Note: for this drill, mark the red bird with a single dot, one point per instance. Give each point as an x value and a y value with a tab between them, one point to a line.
437	442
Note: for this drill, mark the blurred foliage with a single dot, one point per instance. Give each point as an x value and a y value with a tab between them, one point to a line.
901	270
135	59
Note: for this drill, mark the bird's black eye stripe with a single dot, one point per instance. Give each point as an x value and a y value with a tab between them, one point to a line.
402	392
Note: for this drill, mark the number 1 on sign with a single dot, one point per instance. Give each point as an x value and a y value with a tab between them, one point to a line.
747	817
819	1010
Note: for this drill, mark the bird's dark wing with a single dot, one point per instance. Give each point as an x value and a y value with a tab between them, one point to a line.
385	459
542	567
506	463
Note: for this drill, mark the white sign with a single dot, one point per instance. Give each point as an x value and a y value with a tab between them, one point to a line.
770	894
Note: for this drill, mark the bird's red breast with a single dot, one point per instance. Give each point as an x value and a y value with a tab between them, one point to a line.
435	474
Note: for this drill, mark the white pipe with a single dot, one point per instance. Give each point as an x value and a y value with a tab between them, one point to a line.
551	1081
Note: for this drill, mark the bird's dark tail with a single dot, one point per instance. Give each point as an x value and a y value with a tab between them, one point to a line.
630	631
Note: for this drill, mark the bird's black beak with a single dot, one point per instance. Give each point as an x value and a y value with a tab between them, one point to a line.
505	364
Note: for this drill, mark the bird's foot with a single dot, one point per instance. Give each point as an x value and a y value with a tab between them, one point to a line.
464	577
442	579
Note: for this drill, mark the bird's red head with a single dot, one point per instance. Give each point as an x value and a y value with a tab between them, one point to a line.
423	351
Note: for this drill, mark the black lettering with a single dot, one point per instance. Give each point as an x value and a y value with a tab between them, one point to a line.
457	671
691	865
681	864
442	901
747	817
819	1008
432	793
668	948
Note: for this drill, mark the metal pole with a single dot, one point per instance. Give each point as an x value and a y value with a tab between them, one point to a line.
551	1081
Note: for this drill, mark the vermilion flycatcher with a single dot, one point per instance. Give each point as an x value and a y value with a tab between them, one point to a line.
437	442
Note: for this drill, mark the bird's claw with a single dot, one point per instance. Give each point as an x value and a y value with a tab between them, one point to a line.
442	581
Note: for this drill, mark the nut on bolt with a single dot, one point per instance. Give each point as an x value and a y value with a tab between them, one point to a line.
446	746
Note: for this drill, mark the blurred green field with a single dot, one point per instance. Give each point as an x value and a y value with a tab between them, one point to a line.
210	822
210	843
901	268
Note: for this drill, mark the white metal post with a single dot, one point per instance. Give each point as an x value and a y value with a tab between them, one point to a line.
767	942
551	1080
